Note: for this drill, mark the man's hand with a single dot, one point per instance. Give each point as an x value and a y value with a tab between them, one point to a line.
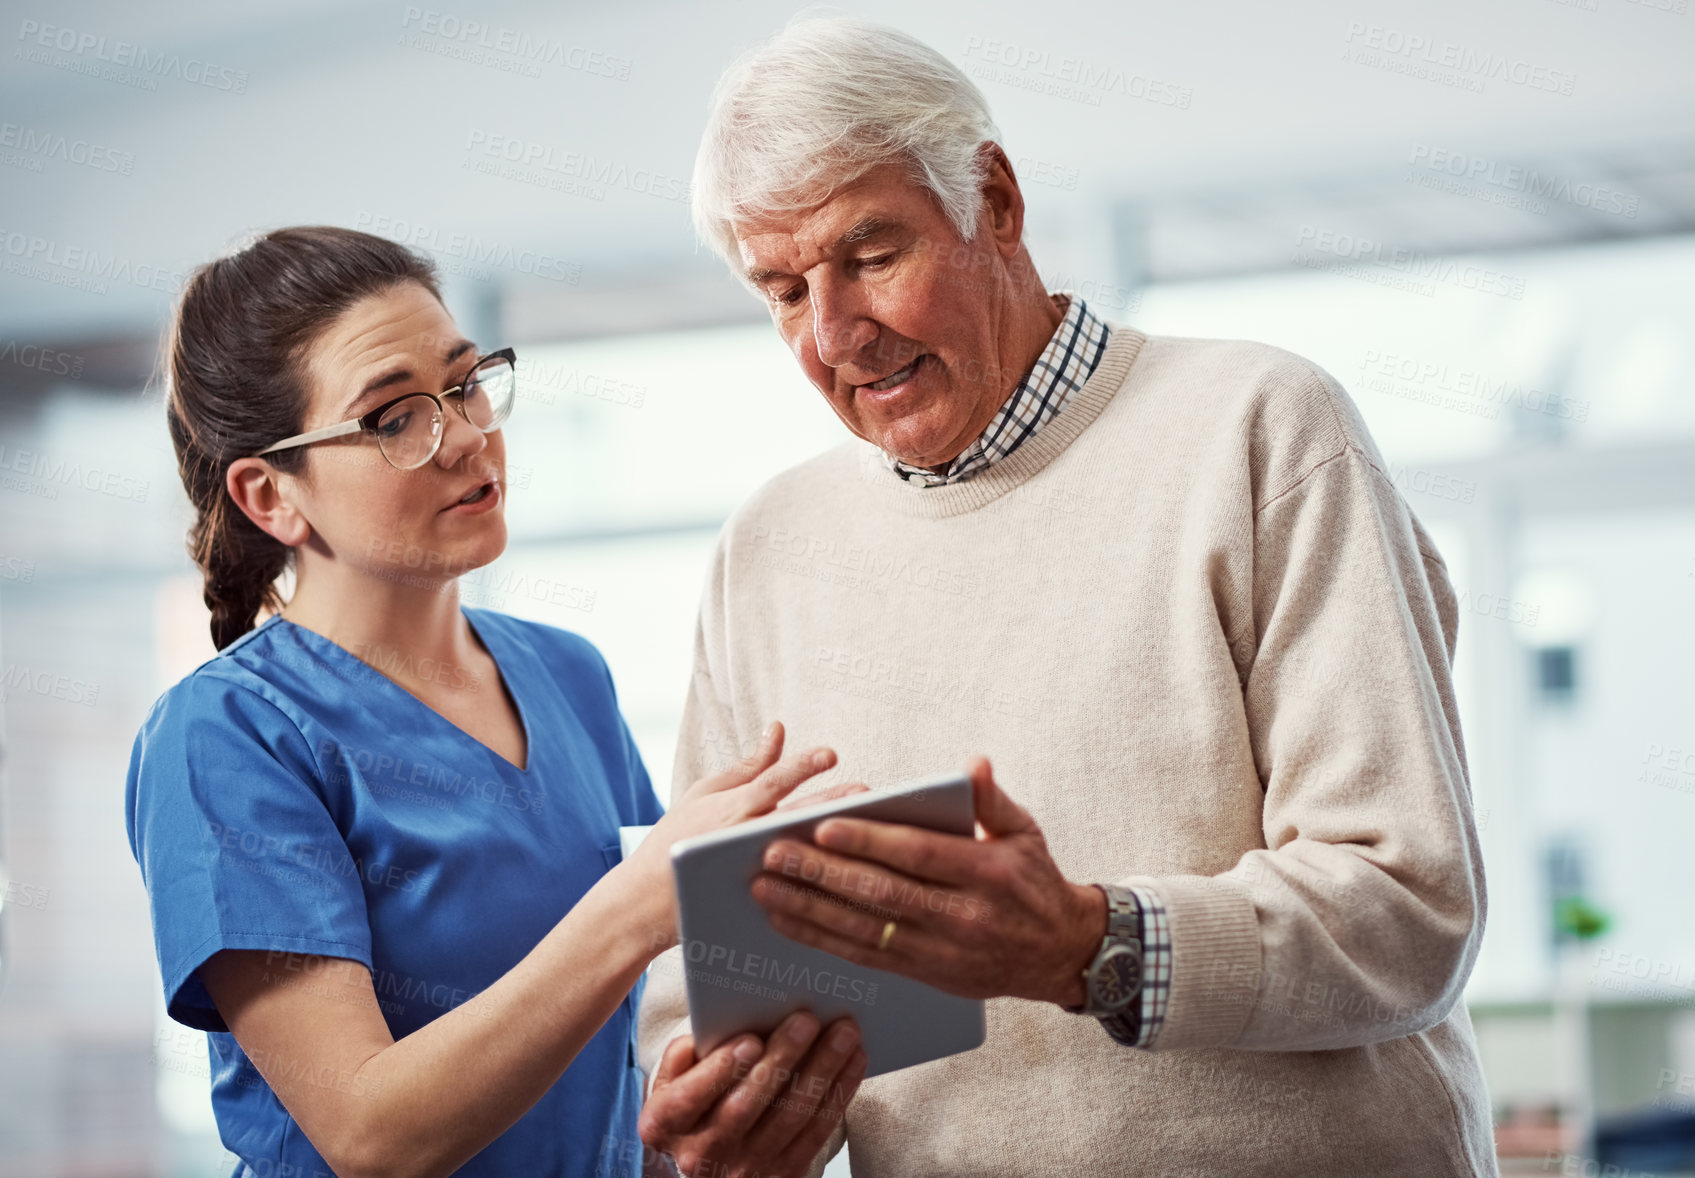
980	917
750	1108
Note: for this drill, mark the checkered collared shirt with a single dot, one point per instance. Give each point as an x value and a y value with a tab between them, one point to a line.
1156	964
1061	369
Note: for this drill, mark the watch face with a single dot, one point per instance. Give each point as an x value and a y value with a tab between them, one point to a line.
1116	979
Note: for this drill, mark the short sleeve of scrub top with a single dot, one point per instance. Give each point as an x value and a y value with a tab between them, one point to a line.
288	797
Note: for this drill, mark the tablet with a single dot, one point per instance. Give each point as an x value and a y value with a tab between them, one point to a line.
742	975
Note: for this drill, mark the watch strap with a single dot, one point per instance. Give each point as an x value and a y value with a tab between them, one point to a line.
1124	929
1124	921
1123	913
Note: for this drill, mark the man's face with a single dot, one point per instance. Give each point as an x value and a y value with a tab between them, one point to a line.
905	328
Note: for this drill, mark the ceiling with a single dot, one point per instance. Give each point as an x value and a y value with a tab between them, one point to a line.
1157	141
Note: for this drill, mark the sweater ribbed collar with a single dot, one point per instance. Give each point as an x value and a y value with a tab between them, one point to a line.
1081	409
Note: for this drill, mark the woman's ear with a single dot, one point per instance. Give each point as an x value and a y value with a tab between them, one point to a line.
256	488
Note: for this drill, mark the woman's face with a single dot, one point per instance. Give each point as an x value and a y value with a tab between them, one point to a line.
408	526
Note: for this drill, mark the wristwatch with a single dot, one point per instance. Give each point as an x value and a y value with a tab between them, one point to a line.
1112	983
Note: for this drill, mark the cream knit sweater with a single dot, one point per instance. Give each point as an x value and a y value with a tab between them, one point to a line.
1206	643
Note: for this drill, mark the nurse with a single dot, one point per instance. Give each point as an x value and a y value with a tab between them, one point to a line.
379	830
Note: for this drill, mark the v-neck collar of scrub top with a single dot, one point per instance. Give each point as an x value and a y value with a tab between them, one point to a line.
335	650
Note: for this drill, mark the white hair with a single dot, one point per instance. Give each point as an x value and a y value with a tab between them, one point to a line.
821	104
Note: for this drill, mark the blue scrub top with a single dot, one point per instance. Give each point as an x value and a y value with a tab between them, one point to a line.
288	796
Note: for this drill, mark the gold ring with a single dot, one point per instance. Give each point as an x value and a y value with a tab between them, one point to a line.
888	935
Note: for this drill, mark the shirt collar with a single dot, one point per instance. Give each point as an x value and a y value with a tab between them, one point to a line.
1062	368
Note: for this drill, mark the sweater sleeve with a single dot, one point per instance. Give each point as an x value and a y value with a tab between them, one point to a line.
1361	918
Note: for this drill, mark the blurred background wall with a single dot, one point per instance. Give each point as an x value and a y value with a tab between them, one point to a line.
1477	215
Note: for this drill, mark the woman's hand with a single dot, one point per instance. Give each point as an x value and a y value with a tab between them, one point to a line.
752	787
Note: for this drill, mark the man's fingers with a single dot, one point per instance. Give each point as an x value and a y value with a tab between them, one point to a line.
845	789
677	1059
760	1083
796	873
997	814
684	1101
797	1158
911	951
910	850
800	1103
859	920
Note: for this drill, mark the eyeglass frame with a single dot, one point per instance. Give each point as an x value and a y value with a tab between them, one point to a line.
367	422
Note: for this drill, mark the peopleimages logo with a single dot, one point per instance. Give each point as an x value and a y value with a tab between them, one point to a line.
390	776
1032	68
471	248
16	568
1413	264
41	257
1514	178
1444	61
50	361
36	465
36	143
476	40
123	54
713	963
1455	387
49	684
889	567
543	160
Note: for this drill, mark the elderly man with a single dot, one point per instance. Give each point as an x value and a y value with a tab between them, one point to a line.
1167	585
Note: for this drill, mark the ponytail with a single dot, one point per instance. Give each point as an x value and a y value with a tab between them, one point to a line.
234	361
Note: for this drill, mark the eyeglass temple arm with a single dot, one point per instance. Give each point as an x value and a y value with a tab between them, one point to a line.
317	435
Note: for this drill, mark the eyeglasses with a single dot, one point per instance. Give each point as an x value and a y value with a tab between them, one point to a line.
408	429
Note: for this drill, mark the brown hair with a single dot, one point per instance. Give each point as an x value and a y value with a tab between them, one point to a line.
234	362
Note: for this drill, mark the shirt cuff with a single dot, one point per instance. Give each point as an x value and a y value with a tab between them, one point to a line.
1156	964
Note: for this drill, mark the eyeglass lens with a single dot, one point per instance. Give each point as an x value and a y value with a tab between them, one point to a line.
410	431
487	397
